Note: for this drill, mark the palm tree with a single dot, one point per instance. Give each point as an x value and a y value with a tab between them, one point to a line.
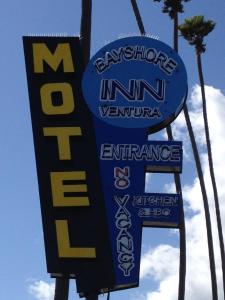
205	203
182	229
173	8
194	30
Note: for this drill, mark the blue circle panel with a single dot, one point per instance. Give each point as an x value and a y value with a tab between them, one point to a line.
135	82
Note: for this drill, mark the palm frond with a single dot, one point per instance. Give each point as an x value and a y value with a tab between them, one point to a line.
195	29
172	7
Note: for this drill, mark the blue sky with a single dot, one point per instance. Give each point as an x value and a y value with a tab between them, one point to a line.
22	257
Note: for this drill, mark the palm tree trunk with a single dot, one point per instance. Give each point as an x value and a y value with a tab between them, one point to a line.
175	32
206	204
85	40
182	229
182	268
211	168
138	17
85	29
61	289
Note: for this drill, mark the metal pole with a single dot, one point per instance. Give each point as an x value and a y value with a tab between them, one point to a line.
85	41
85	29
92	297
61	288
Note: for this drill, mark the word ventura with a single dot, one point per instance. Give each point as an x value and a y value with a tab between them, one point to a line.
129	112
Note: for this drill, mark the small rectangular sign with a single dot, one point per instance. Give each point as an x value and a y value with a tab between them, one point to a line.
158	210
128	213
157	156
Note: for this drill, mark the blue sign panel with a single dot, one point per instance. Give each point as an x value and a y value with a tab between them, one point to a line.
130	213
134	86
125	155
136	82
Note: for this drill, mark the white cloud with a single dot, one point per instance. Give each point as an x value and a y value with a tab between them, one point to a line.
153	262
180	134
42	290
161	263
166	290
170	188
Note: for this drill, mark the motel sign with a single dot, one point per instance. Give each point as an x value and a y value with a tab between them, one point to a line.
90	133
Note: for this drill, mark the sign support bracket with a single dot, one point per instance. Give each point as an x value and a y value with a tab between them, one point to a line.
61	288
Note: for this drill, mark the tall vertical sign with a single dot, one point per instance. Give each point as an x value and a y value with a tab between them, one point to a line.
72	206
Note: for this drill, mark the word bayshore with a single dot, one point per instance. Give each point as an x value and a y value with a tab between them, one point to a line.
141	53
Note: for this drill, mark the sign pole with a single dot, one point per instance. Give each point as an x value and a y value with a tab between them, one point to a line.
61	289
92	297
85	40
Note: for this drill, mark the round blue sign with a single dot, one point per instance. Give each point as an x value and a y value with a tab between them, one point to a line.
136	82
